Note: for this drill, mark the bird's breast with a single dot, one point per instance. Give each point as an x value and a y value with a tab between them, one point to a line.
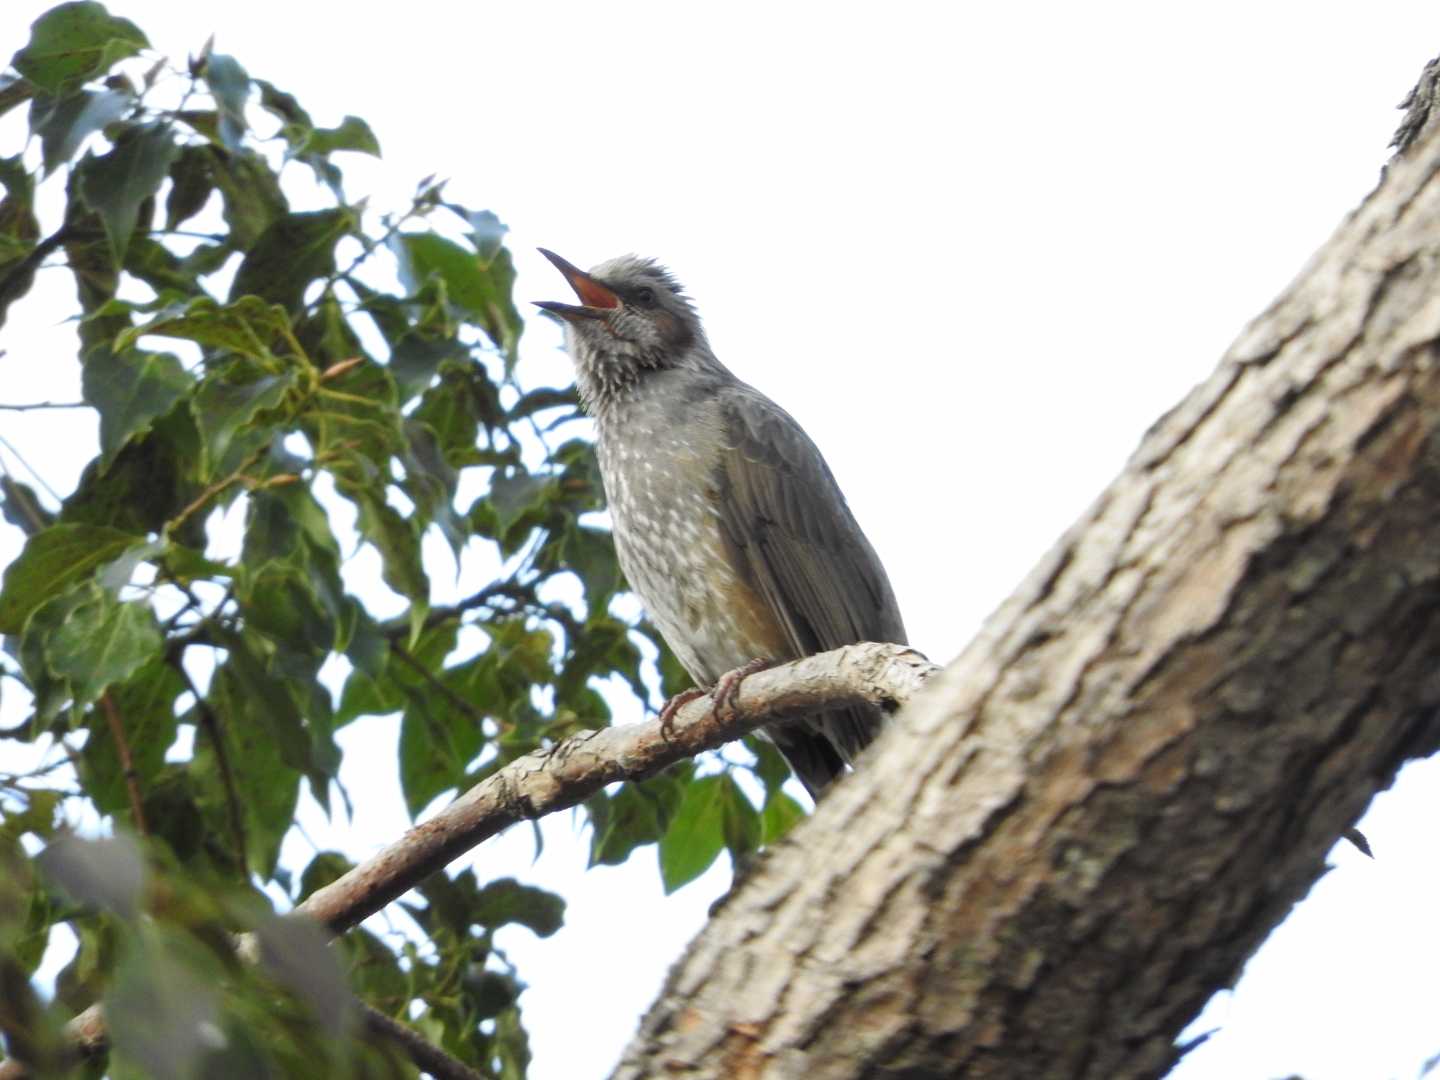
663	494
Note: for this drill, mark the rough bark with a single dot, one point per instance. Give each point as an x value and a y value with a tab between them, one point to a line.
1086	825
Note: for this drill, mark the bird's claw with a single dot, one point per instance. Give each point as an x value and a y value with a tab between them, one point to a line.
673	706
729	686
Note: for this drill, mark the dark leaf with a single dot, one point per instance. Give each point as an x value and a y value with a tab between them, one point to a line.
150	480
224	407
115	185
480	290
22	507
637	814
230	85
507	901
780	815
51	562
515	494
102	641
192	179
291	253
145	705
63	123
742	826
131	390
75	42
251	193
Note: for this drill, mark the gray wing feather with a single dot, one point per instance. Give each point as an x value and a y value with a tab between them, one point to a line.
785	516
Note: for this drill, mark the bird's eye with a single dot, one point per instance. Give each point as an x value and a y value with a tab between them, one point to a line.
645	297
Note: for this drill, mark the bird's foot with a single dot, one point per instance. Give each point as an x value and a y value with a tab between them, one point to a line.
729	686
673	706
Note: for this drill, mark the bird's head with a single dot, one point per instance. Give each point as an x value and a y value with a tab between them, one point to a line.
632	318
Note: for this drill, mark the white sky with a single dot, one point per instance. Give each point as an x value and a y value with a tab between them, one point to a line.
975	249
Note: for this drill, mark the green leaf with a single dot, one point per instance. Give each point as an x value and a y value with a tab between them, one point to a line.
292	252
63	123
249	326
481	290
515	494
430	760
191	182
741	821
590	553
281	602
251	193
638	813
394	536
75	42
150	480
51	562
225	406
352	134
115	185
506	901
108	873
145	706
696	835
230	85
780	815
103	641
131	390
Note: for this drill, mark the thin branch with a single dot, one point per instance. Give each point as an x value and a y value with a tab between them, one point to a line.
426	1055
564	775
215	733
127	762
467	707
28	468
32	405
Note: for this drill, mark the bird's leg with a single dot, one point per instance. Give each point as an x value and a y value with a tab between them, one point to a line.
729	686
673	706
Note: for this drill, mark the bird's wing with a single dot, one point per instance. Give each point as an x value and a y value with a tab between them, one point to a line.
784	514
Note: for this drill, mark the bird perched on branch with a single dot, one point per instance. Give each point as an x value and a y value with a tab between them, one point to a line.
726	518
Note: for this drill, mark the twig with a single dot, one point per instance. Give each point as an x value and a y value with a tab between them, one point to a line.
426	1055
466	707
211	723
127	763
564	775
28	406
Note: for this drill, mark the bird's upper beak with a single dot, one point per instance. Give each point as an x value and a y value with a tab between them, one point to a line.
596	299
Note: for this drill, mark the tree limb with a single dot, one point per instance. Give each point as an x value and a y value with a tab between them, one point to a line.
1048	864
566	774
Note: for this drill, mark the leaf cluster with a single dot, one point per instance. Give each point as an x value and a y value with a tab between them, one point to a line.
185	622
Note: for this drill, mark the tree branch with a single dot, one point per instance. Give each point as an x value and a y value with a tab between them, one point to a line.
1050	862
566	774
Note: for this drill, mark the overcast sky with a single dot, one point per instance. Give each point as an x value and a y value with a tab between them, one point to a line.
975	249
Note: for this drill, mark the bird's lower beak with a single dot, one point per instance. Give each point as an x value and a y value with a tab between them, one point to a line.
596	299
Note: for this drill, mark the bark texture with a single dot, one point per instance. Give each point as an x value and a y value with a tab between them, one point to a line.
1092	818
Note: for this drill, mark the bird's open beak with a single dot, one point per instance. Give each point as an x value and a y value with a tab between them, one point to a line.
596	299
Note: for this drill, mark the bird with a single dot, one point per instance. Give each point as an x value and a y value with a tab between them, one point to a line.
727	521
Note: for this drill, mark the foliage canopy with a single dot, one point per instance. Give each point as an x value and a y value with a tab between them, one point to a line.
269	360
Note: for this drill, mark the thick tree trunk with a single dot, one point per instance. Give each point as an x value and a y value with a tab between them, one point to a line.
1084	827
